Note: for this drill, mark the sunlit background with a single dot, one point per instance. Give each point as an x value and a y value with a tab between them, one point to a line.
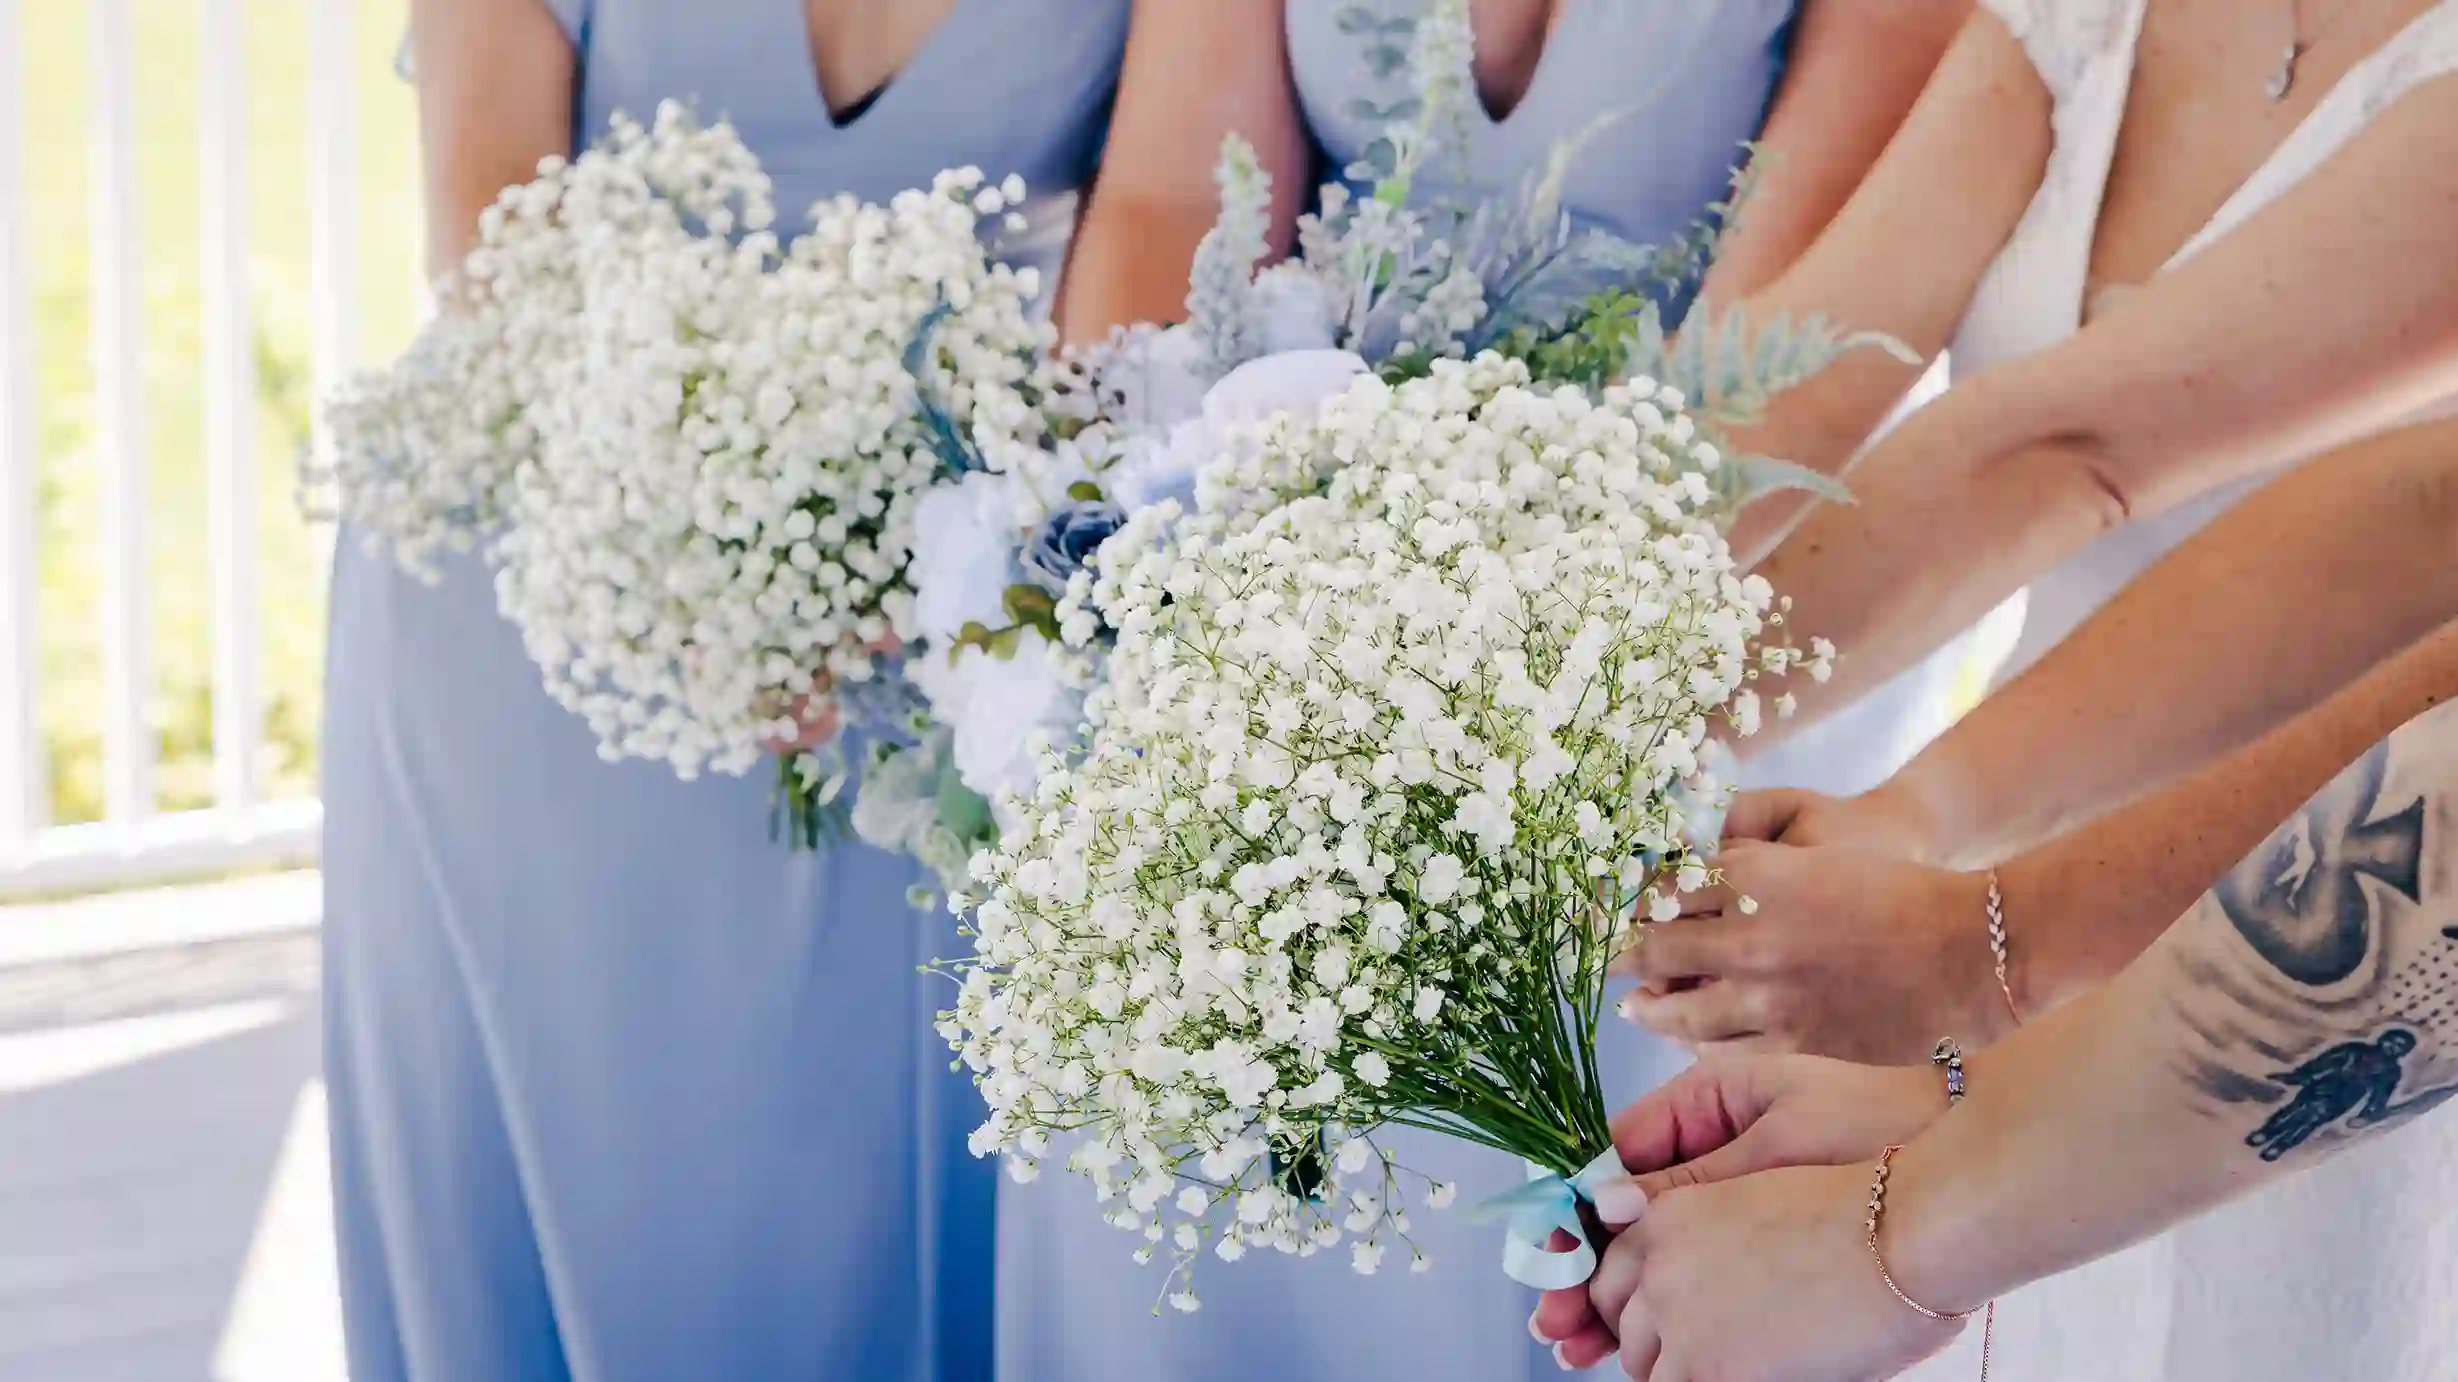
163	1207
52	53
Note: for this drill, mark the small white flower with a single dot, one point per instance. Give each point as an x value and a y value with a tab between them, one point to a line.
1441	879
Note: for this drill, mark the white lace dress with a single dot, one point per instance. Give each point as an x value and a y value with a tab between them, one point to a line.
2350	1271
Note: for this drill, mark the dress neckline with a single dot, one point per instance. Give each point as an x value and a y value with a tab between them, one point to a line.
2240	202
863	110
1557	15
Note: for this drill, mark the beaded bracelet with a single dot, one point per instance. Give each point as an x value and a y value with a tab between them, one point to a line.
1997	947
1950	1057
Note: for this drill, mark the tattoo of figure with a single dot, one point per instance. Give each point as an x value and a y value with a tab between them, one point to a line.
2355	1080
2300	898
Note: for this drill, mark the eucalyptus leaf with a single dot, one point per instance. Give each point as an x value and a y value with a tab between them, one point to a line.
964	812
1750	477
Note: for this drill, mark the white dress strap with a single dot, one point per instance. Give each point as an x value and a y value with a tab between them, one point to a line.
2425	49
2063	38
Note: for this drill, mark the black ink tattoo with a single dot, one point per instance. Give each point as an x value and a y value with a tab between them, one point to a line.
2355	1080
2300	900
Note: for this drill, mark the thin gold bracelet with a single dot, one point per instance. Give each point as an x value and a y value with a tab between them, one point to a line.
1949	1057
1997	947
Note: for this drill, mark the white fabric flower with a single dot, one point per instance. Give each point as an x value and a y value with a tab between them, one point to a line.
998	708
964	553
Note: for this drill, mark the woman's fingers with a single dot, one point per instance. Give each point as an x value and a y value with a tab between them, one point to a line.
1764	815
1586	1349
1563	1315
1640	1344
1762	1044
1723	1010
817	722
1617	1280
1663	953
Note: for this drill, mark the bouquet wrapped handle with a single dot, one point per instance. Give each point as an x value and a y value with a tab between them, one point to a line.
1533	1210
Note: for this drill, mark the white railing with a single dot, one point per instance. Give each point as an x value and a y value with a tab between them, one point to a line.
134	842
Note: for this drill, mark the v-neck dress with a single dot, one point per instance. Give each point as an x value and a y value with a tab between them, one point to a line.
621	1090
2351	1270
1692	83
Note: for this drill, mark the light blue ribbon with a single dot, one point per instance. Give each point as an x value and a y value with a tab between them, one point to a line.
1538	1207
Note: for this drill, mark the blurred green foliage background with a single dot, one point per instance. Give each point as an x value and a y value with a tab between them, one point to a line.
55	52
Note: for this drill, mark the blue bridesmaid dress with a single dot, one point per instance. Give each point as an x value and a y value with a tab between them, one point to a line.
621	1091
1073	1307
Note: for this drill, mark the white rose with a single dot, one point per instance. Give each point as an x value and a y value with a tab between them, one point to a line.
995	705
1297	382
964	546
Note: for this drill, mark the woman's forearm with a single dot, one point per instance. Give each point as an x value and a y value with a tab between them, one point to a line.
2194	381
2262	615
1194	74
1854	71
495	90
2085	905
2294	1011
1906	250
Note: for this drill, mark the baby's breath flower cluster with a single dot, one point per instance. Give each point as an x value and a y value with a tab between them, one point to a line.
420	449
1397	724
716	437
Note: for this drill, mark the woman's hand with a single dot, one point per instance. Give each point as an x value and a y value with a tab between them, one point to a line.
1765	1277
1889	822
817	720
1831	949
1730	1117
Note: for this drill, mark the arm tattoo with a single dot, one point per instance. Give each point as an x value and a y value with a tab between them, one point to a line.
2300	899
2319	979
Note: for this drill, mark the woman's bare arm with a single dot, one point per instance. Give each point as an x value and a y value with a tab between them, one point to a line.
495	92
2241	358
2299	1007
1195	74
1904	255
1855	70
2296	590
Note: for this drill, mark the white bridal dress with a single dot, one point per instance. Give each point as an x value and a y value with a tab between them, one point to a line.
2350	1272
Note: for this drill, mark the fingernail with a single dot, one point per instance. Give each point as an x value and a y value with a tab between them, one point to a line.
1620	1202
1560	1361
1623	1005
1536	1333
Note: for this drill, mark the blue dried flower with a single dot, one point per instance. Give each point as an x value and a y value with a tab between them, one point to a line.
1067	541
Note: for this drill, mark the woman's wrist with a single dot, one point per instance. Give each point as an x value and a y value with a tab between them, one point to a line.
1946	1238
1919	805
1988	1002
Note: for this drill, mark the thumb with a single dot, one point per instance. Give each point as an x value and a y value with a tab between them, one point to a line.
1751	1152
1763	815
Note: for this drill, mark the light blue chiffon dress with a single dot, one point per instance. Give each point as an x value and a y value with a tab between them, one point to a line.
1695	81
621	1091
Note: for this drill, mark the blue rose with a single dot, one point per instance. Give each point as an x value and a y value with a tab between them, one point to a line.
1067	541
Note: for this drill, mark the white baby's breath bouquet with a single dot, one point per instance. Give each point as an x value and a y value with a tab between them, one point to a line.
1400	720
693	448
1389	278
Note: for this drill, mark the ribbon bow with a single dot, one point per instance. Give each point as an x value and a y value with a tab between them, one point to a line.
1538	1207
